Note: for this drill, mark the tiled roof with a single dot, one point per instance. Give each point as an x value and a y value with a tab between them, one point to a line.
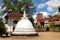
14	15
51	19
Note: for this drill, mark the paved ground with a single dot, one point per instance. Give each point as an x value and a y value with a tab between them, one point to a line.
42	36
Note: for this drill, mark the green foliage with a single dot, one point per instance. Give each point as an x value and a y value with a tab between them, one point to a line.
58	25
54	27
59	9
2	27
52	24
16	6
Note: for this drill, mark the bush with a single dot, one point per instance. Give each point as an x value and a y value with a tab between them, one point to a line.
54	27
2	27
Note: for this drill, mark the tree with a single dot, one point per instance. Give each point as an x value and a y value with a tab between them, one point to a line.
17	6
2	27
59	9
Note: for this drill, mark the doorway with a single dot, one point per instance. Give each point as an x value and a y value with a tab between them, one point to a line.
14	24
47	28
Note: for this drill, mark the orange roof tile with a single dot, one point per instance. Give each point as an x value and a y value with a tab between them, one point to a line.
51	19
14	15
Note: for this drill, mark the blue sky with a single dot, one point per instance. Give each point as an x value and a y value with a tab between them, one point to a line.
47	7
37	2
0	4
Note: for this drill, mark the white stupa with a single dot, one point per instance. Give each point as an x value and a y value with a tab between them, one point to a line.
24	27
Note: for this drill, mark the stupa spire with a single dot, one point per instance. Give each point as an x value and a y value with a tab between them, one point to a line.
24	15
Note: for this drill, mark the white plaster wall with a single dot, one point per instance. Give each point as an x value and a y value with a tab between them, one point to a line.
10	24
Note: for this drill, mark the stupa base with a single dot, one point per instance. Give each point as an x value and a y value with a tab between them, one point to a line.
24	34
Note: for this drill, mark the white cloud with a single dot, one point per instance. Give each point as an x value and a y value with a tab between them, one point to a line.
56	13
45	14
53	5
41	5
34	16
50	9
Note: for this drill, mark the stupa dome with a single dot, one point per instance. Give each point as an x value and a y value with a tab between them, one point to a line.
24	27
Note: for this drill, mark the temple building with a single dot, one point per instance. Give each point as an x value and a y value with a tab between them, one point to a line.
45	22
12	19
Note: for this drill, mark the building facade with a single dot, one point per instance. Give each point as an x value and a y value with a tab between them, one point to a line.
45	22
12	19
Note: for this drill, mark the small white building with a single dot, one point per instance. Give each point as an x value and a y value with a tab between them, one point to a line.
12	19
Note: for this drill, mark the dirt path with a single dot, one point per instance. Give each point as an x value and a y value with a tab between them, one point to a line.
42	36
